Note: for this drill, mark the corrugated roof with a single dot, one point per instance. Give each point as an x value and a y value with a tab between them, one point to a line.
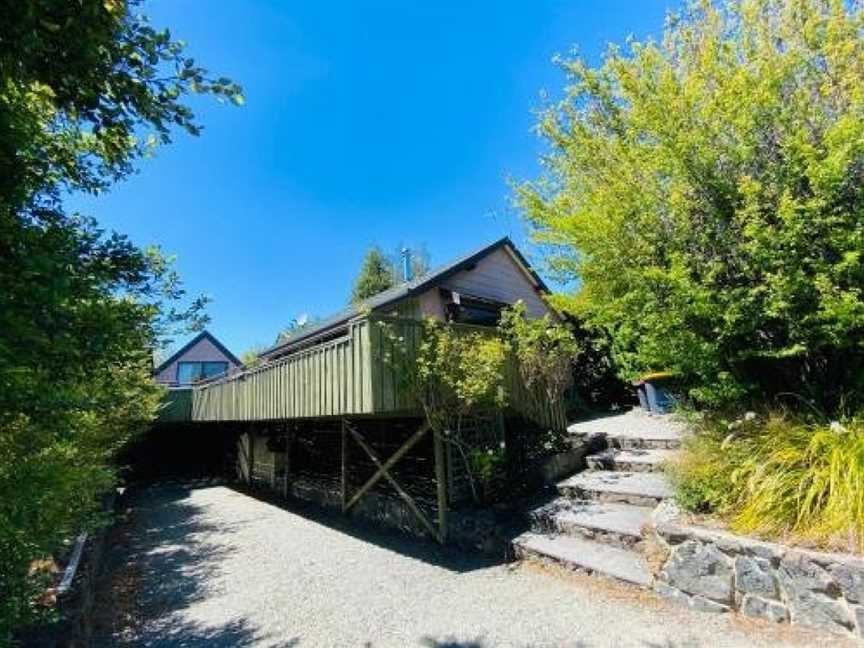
405	289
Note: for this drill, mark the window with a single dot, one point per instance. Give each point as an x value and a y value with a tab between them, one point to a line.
189	372
463	309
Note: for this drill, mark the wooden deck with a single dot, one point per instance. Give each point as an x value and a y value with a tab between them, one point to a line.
351	376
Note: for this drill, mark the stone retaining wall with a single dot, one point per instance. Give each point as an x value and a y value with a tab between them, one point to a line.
716	571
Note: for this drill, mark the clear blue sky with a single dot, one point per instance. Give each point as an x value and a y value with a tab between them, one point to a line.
365	123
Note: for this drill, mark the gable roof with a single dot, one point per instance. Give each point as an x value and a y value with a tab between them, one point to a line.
410	289
191	343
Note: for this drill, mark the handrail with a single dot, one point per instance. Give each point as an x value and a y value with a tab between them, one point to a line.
274	363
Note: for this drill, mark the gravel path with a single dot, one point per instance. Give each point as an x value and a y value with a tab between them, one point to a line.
214	567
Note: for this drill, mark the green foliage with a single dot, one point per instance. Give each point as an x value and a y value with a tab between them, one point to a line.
86	89
545	352
458	372
380	271
707	191
295	326
453	373
252	357
779	477
376	275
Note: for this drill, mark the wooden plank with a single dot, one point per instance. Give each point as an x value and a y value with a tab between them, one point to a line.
289	438
344	473
386	474
396	456
441	486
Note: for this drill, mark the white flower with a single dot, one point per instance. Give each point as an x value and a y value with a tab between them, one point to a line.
750	416
490	452
501	445
547	445
837	427
734	425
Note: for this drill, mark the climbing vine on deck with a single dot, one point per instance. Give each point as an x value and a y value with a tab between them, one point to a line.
452	374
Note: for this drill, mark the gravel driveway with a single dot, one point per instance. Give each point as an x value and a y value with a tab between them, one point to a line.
211	566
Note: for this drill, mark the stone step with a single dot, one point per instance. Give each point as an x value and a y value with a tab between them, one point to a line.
633	429
636	460
644	441
638	488
585	555
610	523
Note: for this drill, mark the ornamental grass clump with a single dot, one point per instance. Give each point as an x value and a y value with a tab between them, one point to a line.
779	477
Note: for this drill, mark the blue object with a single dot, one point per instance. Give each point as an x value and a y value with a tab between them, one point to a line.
643	396
659	400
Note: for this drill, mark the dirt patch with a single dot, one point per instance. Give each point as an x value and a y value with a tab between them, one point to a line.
116	611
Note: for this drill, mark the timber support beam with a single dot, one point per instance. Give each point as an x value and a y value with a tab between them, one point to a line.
383	472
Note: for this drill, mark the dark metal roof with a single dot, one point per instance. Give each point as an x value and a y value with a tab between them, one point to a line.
403	290
191	343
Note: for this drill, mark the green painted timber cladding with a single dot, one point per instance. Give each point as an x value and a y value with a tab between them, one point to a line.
176	406
352	375
332	379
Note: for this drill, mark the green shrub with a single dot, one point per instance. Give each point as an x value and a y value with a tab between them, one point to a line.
706	192
778	477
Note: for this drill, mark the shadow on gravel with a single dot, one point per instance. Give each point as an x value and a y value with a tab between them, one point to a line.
192	635
162	560
426	550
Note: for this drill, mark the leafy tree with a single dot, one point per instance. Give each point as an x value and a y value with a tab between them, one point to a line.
708	193
380	271
375	276
86	89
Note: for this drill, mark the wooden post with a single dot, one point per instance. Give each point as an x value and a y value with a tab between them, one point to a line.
251	437
384	470
387	465
289	437
441	483
272	465
344	464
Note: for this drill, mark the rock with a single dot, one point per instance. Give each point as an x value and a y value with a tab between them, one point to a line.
701	604
753	576
656	552
858	611
696	602
812	596
849	576
702	570
671	593
756	606
666	512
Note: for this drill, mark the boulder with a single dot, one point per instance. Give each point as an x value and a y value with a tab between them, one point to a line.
700	569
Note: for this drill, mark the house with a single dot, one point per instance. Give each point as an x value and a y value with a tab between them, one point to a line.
337	367
317	417
202	357
470	290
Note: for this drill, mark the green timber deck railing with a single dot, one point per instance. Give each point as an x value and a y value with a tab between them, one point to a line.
348	376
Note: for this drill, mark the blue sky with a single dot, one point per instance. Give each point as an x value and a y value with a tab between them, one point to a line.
365	123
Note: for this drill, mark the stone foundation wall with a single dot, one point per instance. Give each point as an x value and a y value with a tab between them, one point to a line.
716	571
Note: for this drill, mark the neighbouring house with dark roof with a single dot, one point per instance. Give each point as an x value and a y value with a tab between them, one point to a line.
203	357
